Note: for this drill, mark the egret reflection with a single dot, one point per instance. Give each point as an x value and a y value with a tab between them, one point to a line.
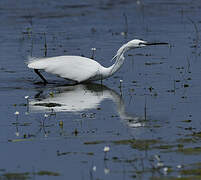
79	98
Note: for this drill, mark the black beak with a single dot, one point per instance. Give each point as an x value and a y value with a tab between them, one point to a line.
154	43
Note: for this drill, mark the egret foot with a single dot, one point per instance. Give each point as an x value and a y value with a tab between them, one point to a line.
40	75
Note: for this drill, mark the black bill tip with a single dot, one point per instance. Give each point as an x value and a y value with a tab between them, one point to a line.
155	43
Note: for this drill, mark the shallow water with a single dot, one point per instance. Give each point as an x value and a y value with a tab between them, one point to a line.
151	123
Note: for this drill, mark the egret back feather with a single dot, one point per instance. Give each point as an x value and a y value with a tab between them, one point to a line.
75	68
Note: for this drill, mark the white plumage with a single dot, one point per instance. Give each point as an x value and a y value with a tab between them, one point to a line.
74	68
80	69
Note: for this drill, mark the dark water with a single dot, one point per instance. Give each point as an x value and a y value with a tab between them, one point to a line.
151	124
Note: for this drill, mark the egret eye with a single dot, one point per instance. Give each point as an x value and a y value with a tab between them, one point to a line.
141	44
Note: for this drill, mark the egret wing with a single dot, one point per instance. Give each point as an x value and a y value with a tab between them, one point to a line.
74	68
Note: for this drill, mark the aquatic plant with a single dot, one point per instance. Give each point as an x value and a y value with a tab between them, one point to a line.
106	150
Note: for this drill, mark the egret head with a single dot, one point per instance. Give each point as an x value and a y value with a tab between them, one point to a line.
136	43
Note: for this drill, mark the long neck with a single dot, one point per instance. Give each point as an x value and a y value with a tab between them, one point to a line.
119	60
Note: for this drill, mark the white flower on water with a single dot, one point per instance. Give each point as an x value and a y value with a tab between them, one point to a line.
165	170
120	80
94	168
93	49
123	33
17	113
106	149
106	171
157	157
17	134
26	113
179	166
26	97
159	164
46	115
138	2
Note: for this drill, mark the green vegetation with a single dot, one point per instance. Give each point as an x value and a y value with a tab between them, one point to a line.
16	176
26	175
138	144
176	178
47	173
94	142
189	151
196	134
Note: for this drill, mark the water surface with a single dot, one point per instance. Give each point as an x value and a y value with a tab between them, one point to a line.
151	123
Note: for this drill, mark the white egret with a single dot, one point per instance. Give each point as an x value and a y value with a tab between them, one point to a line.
82	69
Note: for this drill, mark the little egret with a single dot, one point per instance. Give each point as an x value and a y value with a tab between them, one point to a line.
81	69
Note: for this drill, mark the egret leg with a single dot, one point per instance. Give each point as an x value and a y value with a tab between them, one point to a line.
40	75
